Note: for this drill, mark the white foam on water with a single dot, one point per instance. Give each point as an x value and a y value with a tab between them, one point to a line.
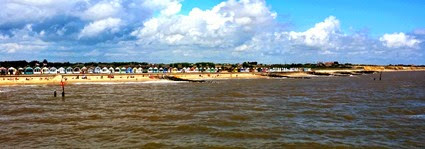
419	116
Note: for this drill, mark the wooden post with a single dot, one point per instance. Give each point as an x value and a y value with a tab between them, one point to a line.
63	88
380	76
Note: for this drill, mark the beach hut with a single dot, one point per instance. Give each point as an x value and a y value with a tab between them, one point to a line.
123	70
61	70
45	70
161	70
150	70
90	70
11	71
129	70
3	71
174	70
117	70
111	70
37	70
140	70
97	70
165	70
20	71
105	70
28	71
76	70
84	70
155	70
69	70
53	70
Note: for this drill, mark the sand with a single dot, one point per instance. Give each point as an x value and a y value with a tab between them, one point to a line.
79	78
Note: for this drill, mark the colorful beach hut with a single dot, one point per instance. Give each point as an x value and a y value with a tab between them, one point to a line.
28	71
69	70
3	71
129	70
84	70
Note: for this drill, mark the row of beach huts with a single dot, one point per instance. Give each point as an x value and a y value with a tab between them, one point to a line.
137	70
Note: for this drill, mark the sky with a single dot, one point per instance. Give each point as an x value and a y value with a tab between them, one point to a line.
222	31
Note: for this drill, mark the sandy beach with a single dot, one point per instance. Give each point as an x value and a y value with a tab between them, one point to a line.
78	78
52	79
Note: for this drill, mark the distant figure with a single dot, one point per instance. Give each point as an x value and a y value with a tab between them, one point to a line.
54	93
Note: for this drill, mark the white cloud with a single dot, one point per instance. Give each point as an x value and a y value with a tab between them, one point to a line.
321	35
167	7
398	40
226	25
102	10
24	40
33	10
109	24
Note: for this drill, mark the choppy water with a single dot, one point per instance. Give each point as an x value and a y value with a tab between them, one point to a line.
264	113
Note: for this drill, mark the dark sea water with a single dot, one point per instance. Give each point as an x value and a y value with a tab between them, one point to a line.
261	113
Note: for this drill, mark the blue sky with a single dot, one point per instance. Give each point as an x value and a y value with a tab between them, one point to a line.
271	31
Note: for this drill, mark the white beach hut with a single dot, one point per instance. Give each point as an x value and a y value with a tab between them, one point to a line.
117	70
123	70
45	70
97	70
105	70
76	70
11	71
111	70
37	70
150	70
140	70
20	70
90	70
61	70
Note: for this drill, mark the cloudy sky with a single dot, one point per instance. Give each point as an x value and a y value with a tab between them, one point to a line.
267	31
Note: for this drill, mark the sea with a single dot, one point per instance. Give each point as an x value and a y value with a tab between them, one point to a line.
360	111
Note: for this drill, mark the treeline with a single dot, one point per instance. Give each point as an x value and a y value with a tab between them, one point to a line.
46	63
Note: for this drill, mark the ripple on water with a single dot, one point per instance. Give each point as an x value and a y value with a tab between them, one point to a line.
261	113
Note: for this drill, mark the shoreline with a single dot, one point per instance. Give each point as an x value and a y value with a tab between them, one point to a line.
55	79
